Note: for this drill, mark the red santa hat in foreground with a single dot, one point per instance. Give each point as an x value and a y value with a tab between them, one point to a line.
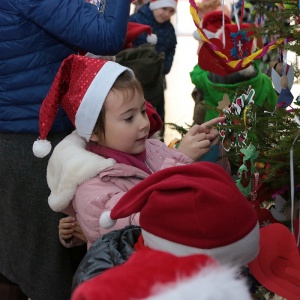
190	210
155	4
80	87
156	275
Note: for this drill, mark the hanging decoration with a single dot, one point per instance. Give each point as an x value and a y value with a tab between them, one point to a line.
241	106
246	170
282	76
212	50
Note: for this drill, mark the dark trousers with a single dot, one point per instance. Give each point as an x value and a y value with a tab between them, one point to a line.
10	291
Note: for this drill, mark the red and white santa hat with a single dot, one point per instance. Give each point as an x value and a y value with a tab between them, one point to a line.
134	30
155	4
80	87
212	23
192	209
157	275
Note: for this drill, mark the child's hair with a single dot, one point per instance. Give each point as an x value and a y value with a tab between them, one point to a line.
129	85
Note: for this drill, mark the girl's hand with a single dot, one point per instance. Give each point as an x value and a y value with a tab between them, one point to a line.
199	138
66	227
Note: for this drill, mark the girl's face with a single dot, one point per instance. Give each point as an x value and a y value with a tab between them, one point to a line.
126	122
163	14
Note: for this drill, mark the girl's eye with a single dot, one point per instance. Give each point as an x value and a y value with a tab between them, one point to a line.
129	119
144	111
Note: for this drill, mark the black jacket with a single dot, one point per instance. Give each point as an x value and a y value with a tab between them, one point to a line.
110	250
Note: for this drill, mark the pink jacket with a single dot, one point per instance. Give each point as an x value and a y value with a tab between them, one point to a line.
85	184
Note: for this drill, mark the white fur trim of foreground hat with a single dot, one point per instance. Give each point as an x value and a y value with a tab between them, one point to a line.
162	3
90	107
238	254
210	283
69	166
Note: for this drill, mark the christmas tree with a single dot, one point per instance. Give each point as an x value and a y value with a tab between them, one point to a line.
263	144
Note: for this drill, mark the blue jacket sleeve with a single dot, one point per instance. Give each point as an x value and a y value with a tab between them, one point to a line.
169	54
80	24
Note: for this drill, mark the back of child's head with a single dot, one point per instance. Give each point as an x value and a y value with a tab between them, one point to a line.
192	209
80	87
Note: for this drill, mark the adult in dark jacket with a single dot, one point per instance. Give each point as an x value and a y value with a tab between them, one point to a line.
36	36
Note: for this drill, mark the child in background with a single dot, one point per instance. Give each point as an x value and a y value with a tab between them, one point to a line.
157	14
239	43
109	152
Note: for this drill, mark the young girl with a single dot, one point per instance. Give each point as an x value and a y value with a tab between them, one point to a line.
109	152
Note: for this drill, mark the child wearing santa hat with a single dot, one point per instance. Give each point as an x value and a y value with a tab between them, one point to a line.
69	230
70	233
109	153
212	81
157	14
184	210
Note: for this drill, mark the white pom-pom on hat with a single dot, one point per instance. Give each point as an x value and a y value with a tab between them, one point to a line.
134	30
41	148
152	39
105	221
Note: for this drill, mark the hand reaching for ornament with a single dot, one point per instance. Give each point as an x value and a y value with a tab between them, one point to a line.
200	138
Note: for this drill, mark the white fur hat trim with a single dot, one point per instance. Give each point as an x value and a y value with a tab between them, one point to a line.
210	283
